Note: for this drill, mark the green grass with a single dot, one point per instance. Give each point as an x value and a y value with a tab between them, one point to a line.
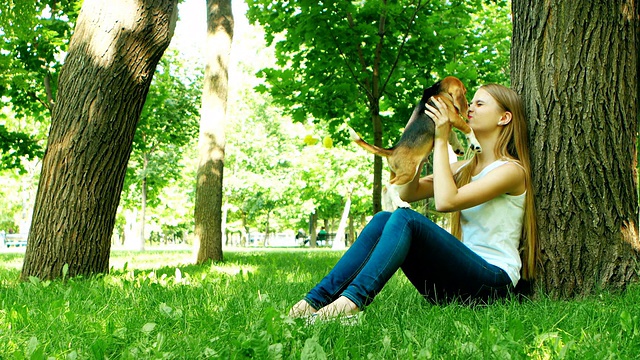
235	310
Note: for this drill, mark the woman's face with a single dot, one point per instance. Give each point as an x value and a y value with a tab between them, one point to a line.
484	112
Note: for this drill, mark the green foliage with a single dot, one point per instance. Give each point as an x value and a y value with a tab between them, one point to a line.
272	178
35	37
167	126
328	54
16	146
153	306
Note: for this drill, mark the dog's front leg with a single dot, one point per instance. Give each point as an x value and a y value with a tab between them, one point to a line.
473	142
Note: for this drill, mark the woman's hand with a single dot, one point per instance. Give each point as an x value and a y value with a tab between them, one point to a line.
440	116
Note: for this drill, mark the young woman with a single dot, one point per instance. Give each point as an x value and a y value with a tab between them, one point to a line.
493	216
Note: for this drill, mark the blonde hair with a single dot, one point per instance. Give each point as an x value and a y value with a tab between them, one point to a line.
512	145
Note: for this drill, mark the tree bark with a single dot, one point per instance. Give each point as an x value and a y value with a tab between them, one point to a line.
575	65
313	225
102	89
377	162
208	205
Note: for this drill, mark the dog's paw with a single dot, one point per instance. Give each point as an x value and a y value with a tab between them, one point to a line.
458	151
474	145
404	204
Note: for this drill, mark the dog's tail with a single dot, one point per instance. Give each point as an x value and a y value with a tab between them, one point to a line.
365	145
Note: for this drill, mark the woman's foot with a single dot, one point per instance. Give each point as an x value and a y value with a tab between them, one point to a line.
342	307
301	309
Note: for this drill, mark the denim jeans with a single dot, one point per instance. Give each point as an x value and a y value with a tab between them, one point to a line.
438	265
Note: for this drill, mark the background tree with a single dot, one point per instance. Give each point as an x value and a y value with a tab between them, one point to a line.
101	92
575	64
168	123
16	146
275	180
367	62
211	144
34	34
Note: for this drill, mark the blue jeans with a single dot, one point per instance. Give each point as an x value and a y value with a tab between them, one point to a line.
438	265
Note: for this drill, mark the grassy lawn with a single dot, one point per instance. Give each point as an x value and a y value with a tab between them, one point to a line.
156	305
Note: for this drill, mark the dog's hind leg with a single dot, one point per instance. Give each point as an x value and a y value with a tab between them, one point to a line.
391	198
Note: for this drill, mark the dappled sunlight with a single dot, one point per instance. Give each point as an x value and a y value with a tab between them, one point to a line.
239	306
296	275
14	260
124	14
629	231
232	269
147	260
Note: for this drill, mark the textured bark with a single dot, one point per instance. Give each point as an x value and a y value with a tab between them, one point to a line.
208	206
102	89
575	63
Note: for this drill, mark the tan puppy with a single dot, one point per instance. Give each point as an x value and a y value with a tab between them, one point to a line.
417	139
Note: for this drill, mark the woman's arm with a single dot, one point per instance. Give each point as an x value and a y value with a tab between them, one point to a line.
506	179
422	187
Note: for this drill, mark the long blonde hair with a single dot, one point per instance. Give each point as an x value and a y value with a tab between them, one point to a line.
512	145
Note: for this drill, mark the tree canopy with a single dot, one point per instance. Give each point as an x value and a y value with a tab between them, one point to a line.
329	52
321	99
35	36
367	63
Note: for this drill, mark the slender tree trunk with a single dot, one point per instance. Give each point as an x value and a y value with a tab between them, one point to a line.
266	229
313	225
244	241
575	64
208	205
351	238
102	89
143	216
223	226
338	242
377	162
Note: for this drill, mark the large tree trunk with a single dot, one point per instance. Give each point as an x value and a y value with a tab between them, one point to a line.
575	64
208	206
102	89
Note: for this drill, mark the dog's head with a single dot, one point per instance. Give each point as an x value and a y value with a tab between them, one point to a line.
455	88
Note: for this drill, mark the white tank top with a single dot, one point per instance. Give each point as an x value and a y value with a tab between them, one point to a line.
493	229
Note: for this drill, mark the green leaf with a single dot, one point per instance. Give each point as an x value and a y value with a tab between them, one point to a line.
312	350
148	327
65	271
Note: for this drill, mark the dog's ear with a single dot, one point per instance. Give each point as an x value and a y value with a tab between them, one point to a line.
458	93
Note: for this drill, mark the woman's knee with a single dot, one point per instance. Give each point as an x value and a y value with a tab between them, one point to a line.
382	216
407	214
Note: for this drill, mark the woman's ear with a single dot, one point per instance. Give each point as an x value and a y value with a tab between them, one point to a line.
505	118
